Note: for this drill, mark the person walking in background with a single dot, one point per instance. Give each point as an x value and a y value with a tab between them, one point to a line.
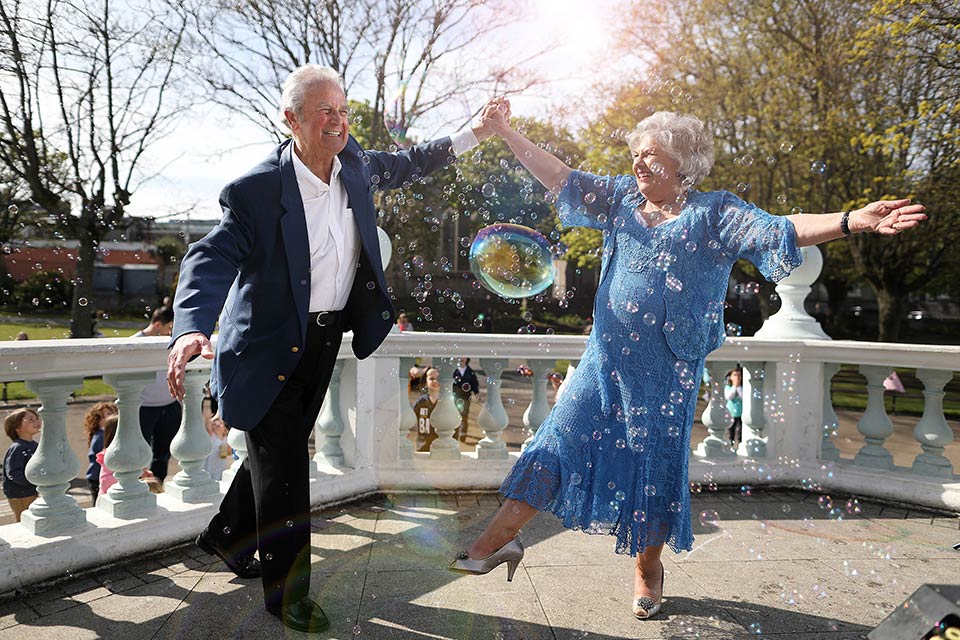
93	426
293	264
21	426
424	409
160	411
733	392
465	388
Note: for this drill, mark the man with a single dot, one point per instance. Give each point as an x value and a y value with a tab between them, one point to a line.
465	387
294	262
160	411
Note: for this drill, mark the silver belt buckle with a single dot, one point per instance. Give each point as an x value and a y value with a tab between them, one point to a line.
321	318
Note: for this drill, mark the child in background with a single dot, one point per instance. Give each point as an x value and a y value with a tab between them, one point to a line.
93	426
221	455
424	408
733	392
107	478
21	426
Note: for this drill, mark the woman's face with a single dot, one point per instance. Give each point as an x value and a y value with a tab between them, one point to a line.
433	380
656	172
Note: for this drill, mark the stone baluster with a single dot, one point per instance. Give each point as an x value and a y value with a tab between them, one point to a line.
238	442
828	450
329	426
445	418
715	417
875	425
493	417
129	453
932	432
753	441
53	465
538	408
192	445
407	419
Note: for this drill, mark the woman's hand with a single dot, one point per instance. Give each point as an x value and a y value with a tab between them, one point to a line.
888	217
496	115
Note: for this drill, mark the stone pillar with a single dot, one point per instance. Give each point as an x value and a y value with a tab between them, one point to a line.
875	425
129	454
445	417
493	416
753	442
792	322
539	408
407	419
715	417
329	426
191	446
828	450
53	465
238	442
932	432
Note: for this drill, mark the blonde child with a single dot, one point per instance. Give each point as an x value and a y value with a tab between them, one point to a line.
21	427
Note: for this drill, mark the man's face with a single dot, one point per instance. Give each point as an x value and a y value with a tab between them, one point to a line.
323	126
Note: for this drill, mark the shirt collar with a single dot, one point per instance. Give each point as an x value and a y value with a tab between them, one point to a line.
310	185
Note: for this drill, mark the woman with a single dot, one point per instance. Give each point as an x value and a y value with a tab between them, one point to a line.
612	455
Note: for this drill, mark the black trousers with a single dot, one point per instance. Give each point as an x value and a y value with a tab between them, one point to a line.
159	425
268	504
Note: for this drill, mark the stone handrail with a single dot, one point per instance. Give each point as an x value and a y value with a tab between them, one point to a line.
362	443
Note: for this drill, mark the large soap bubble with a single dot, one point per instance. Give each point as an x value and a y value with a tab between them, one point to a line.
512	260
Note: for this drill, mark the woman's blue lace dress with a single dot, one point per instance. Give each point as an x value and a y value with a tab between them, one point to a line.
612	455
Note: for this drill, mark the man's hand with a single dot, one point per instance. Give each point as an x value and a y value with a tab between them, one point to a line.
186	346
494	118
888	217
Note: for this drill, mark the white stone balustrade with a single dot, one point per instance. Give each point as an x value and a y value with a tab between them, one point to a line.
329	427
791	378
192	445
538	409
875	424
445	418
715	417
53	465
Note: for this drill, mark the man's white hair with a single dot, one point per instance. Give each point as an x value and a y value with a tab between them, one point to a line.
683	138
295	87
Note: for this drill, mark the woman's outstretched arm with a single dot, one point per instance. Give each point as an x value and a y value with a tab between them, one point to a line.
888	217
545	167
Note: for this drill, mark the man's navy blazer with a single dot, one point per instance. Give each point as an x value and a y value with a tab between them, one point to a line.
255	267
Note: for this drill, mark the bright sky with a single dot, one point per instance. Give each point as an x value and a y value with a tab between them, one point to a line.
202	155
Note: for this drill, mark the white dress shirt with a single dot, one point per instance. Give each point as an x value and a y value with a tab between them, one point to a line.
332	230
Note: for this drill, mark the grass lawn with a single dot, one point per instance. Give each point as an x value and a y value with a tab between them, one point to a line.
93	386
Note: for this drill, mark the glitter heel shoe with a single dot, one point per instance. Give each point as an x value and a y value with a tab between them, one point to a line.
644	608
510	553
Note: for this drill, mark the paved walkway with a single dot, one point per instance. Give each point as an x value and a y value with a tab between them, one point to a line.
770	565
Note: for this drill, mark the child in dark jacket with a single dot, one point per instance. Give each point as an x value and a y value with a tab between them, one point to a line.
21	426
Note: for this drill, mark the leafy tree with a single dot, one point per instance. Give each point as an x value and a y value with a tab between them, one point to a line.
107	75
43	290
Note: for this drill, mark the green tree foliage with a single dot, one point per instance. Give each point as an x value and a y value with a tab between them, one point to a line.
43	290
814	108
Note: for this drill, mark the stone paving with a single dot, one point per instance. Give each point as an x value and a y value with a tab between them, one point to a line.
769	565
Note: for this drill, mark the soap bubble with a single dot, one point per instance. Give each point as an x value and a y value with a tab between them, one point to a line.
709	518
488	190
511	260
818	166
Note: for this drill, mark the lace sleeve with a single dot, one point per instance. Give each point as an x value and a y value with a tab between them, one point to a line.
768	241
586	200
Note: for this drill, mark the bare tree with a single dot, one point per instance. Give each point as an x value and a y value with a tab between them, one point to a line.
435	51
87	89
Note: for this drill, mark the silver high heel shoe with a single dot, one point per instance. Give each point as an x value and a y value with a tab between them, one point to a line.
645	608
511	553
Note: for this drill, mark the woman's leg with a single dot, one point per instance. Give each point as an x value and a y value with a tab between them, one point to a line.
511	517
646	580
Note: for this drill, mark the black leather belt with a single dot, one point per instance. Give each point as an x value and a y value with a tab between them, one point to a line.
325	318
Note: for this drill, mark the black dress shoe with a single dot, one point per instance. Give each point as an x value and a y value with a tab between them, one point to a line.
303	615
245	566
